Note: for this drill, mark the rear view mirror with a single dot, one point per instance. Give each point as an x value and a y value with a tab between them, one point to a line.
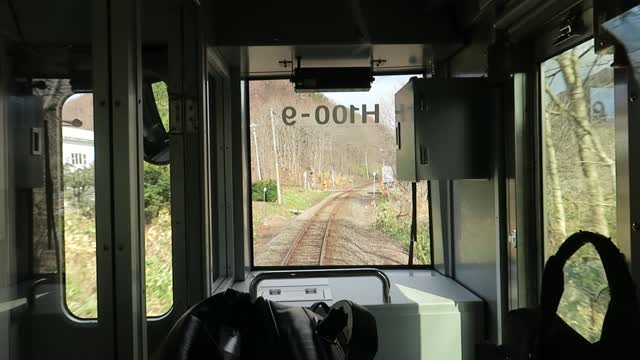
156	140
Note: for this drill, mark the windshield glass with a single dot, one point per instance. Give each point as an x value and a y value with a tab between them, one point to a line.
324	190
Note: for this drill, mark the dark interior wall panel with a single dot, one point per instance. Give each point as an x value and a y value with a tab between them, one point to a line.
7	278
475	244
64	22
334	22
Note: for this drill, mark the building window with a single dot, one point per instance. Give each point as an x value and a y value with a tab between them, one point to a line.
579	175
78	159
324	188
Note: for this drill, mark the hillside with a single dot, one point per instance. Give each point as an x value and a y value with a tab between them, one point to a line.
346	149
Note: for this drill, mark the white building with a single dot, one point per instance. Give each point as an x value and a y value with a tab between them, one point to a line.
77	147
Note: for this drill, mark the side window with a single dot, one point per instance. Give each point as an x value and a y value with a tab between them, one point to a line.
579	175
78	154
157	212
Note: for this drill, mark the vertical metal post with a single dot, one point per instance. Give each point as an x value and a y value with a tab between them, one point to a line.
238	99
189	197
633	118
500	205
176	125
227	205
414	221
126	164
103	142
6	250
441	198
194	70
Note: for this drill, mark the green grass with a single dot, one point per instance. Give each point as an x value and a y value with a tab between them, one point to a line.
158	265
80	265
272	216
390	221
300	199
293	198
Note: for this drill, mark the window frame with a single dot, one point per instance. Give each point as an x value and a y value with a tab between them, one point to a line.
220	249
63	278
79	161
169	312
540	152
543	50
254	267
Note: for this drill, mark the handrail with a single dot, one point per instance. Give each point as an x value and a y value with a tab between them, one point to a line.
304	274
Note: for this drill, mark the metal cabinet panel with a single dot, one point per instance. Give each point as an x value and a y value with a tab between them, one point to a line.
443	129
405	133
27	136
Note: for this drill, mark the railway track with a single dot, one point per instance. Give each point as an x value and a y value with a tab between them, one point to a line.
309	246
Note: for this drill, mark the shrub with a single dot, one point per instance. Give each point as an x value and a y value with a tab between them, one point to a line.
388	220
257	190
80	189
157	190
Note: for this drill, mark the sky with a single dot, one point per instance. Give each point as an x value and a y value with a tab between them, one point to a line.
603	95
384	87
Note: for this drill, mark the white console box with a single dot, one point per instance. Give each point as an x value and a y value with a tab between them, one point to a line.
431	317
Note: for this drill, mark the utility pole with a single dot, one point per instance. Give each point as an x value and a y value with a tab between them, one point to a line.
255	141
366	163
275	152
374	188
333	179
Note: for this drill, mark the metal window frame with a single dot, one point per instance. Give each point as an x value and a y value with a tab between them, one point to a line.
627	175
103	157
239	101
126	165
6	215
219	94
544	49
442	232
430	210
114	68
526	132
121	328
189	119
249	224
119	229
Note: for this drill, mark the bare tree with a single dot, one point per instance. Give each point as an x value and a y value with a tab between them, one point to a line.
589	149
557	227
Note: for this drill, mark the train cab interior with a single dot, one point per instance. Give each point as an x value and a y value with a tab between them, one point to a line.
427	160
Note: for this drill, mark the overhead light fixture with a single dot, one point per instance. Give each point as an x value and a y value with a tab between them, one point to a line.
331	79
